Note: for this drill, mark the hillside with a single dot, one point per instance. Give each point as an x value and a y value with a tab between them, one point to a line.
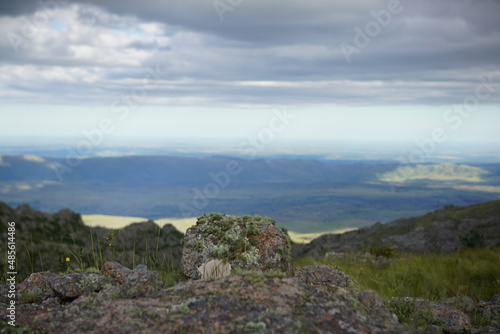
45	241
443	231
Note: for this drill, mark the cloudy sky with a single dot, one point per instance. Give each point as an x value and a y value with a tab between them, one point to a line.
350	70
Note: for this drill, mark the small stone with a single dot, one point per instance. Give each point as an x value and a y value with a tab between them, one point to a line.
141	276
116	271
451	317
77	284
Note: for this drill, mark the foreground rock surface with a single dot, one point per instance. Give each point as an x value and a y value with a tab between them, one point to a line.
246	303
318	299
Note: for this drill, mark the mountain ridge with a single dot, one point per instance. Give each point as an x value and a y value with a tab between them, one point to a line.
444	231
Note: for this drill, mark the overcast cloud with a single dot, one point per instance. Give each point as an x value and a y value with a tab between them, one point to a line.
249	54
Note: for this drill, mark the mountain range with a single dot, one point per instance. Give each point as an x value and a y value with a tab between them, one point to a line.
304	195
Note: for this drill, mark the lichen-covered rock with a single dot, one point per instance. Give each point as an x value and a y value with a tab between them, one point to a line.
249	302
451	317
326	277
141	277
77	284
246	242
320	299
136	283
37	288
116	271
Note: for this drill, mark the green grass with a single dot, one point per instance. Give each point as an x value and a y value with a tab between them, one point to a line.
471	272
66	257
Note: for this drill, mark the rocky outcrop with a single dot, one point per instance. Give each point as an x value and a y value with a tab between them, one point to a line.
318	299
250	243
443	231
247	302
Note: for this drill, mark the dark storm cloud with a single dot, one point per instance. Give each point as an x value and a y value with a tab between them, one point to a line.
426	52
15	8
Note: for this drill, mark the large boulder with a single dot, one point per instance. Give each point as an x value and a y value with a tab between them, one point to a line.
246	242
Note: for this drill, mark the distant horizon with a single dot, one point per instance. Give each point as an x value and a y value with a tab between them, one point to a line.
457	152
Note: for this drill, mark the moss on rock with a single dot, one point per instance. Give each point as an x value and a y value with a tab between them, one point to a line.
249	242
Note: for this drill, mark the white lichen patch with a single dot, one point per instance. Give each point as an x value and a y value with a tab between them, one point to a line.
217	250
234	233
251	256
